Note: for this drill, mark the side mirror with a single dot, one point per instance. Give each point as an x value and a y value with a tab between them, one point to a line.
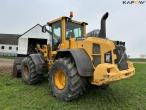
44	29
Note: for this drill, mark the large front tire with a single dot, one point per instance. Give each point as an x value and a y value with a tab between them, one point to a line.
64	80
28	70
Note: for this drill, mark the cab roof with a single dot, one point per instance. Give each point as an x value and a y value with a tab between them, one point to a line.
64	17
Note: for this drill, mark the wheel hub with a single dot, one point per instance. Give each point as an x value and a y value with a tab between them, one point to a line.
60	79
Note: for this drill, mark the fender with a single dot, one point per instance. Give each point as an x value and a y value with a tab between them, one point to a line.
40	63
82	60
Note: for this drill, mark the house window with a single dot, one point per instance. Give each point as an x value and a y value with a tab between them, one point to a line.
16	48
2	47
10	48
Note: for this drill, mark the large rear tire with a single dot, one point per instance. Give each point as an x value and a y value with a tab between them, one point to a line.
29	74
64	80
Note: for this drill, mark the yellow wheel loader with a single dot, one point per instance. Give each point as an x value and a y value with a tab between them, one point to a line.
74	58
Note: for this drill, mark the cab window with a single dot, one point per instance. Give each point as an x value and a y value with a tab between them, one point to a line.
74	30
56	29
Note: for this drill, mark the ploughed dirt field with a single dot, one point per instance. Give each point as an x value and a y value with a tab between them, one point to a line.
6	65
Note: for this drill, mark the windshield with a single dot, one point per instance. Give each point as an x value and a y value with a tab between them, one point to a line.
74	30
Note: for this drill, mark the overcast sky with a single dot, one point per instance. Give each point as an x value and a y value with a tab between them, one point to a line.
125	22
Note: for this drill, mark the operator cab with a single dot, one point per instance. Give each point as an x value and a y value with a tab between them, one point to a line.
64	28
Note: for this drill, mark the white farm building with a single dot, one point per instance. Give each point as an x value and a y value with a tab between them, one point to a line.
13	44
31	37
8	44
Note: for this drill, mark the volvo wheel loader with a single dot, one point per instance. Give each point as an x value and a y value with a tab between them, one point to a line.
74	58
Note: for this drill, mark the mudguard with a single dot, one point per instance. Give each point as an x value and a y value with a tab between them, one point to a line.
82	60
40	63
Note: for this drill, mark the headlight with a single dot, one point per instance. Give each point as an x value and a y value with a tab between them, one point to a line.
108	57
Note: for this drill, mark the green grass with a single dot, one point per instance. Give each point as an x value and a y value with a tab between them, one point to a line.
137	59
129	94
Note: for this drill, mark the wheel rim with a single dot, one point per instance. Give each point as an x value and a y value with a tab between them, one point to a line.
26	72
60	79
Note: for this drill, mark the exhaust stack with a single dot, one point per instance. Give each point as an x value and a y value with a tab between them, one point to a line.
102	32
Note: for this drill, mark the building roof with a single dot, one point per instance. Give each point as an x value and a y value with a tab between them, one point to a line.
33	28
10	39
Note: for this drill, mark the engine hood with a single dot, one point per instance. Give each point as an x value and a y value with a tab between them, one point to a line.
104	46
